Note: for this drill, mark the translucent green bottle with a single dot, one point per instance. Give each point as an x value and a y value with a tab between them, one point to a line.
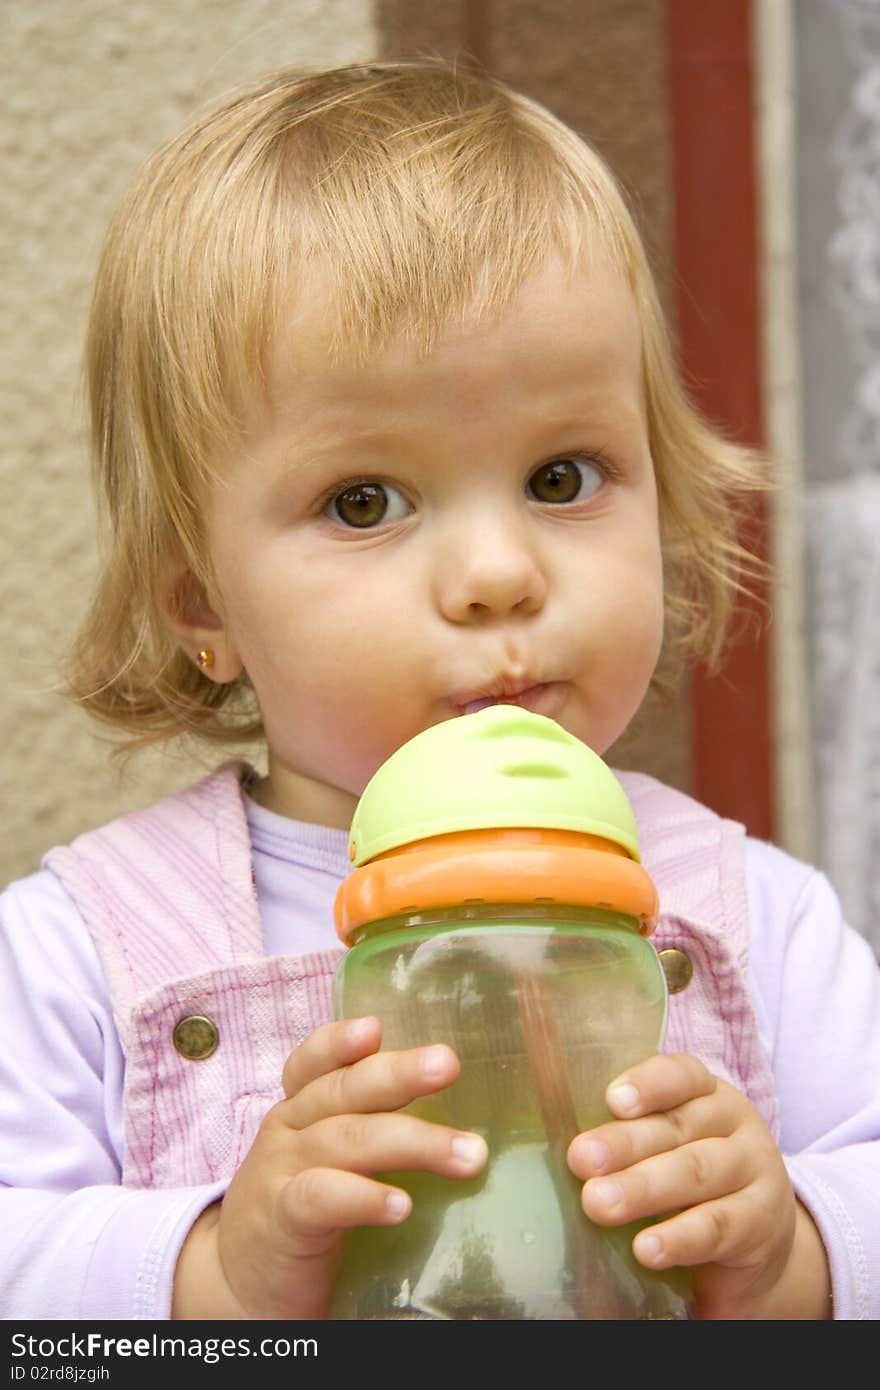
498	905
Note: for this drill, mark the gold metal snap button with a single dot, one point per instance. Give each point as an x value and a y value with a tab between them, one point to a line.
677	968
196	1037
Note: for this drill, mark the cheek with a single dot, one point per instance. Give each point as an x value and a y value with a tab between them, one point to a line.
622	583
641	627
647	609
322	650
619	632
296	610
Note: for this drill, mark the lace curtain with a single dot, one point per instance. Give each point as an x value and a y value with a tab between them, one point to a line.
842	499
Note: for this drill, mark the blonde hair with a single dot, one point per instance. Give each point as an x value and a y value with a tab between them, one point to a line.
423	188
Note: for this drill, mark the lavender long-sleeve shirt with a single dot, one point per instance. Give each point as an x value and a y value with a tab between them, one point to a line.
76	1245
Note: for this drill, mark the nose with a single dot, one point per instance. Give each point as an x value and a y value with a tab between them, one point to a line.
490	569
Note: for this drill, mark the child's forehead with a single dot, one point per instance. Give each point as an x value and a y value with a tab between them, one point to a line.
555	306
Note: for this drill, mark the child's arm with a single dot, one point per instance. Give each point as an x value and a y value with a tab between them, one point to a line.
74	1243
691	1144
816	987
270	1248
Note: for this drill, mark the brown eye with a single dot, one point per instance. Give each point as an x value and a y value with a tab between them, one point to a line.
565	480
364	504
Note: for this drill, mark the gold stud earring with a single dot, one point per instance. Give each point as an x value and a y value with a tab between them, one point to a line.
205	659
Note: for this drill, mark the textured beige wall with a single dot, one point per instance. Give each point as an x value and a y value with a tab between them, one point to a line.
89	89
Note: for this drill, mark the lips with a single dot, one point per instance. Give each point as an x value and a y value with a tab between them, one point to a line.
534	697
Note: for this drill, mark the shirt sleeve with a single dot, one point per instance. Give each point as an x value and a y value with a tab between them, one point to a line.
816	987
74	1244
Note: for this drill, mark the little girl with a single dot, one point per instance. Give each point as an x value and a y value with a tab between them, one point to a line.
386	426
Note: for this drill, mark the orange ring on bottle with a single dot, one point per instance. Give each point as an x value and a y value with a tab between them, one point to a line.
510	866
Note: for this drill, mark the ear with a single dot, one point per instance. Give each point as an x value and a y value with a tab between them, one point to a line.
194	622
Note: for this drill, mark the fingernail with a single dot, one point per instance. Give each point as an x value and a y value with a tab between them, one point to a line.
595	1155
397	1205
358	1029
608	1193
471	1149
648	1248
623	1100
435	1061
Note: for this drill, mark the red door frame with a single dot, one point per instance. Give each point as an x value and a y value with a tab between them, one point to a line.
711	107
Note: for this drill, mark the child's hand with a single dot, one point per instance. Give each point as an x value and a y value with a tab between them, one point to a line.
271	1248
689	1143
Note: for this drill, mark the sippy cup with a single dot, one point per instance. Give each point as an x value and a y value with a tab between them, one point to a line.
498	905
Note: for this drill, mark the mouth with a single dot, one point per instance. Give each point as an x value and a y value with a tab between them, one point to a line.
534	697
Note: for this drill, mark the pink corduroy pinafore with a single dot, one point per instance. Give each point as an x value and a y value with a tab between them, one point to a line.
168	896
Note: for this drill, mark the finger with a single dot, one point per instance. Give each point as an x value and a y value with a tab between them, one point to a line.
718	1232
698	1172
328	1047
611	1147
383	1081
370	1144
321	1200
659	1083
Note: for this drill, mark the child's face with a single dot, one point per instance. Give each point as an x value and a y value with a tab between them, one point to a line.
399	540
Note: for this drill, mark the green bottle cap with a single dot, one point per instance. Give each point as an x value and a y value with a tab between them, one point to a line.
498	768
